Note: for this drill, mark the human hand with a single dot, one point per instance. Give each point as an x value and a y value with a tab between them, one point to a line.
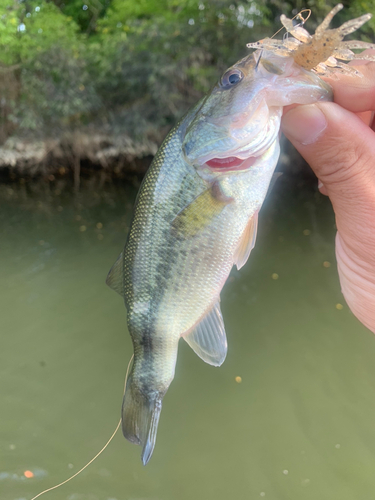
337	139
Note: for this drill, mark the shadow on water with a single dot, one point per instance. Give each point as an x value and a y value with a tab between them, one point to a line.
288	416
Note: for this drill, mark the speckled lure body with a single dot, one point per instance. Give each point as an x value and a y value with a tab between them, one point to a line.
324	52
195	217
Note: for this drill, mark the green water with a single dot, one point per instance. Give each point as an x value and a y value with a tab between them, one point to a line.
300	425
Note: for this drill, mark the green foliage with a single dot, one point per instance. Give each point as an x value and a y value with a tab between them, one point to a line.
159	57
42	68
85	13
29	28
130	66
60	92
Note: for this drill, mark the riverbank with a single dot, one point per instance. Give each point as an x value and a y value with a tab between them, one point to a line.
83	154
75	153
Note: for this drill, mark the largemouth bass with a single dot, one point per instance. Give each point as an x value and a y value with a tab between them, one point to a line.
195	217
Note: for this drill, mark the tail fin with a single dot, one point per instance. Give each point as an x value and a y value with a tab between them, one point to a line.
140	418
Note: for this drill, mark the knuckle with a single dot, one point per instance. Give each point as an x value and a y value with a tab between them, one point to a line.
341	161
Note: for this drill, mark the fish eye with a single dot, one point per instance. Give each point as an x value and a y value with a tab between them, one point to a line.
230	78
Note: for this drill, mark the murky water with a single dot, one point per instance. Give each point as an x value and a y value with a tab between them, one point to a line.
297	425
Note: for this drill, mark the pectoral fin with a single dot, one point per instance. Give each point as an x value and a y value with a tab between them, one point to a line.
115	278
208	339
274	178
199	213
246	243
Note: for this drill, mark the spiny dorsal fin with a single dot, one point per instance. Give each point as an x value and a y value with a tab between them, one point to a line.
246	243
115	278
199	213
208	339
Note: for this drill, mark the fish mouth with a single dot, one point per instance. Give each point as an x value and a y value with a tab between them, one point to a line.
243	156
230	163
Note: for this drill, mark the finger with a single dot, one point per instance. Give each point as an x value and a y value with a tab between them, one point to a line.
366	117
322	188
355	93
340	148
358	288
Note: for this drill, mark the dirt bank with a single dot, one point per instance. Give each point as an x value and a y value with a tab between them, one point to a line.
81	154
75	153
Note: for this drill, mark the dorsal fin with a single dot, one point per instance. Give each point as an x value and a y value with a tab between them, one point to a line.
115	278
208	339
246	243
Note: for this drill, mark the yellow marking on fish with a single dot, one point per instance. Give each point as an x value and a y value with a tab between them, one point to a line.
339	307
200	212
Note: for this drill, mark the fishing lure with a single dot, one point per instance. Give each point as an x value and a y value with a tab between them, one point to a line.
323	52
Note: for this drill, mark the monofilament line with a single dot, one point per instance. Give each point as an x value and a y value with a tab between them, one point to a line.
96	456
300	16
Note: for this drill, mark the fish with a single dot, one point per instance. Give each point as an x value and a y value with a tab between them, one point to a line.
195	217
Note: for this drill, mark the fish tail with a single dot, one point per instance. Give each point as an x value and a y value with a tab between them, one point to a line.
140	418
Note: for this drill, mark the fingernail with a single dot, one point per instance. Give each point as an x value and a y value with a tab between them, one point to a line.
320	184
304	124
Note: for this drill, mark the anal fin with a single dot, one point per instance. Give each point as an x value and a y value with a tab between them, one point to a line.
208	339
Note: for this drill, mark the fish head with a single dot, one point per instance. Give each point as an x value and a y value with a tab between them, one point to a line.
239	120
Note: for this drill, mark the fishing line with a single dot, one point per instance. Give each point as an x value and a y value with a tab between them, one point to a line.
302	22
300	16
258	61
96	456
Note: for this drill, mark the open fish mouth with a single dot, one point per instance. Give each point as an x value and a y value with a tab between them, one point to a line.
243	154
242	158
231	163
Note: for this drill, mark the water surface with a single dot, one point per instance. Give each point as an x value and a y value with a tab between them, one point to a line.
299	425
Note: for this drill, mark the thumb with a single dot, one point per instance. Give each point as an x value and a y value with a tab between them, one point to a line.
340	149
